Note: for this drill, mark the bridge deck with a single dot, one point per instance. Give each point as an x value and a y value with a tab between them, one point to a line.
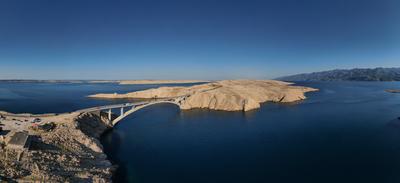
115	106
134	107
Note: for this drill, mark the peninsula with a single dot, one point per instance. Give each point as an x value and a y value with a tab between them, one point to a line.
228	95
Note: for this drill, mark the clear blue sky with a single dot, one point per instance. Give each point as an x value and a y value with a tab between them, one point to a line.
188	39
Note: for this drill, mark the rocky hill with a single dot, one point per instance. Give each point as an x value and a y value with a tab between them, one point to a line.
376	74
228	95
63	148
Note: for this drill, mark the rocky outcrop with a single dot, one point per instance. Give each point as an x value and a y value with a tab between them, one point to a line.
228	95
393	91
69	152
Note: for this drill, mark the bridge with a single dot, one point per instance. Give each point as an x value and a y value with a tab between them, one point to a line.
129	108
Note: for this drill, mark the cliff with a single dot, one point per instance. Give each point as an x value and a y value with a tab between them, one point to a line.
228	95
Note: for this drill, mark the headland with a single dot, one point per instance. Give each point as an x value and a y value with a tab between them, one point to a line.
228	95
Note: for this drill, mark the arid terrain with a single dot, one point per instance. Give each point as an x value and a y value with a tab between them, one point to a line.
229	95
62	148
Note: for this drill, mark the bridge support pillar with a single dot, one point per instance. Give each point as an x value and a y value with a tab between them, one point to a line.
122	111
109	114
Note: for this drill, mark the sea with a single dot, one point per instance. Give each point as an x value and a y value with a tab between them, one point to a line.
345	132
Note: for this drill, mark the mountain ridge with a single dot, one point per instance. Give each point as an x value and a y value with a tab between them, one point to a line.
356	74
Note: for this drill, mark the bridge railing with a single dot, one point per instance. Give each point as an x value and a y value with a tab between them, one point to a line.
115	106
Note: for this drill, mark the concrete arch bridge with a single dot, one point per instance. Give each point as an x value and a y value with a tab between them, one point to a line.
129	108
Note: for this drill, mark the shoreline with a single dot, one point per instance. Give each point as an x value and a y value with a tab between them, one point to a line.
70	151
226	95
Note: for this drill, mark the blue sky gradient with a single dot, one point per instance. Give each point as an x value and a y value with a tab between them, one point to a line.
194	39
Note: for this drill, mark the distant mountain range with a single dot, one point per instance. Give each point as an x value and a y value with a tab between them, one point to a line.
376	74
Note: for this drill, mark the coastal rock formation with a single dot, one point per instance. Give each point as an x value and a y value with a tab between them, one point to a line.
69	151
393	91
228	95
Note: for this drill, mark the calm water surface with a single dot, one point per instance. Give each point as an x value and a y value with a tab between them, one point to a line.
60	97
346	132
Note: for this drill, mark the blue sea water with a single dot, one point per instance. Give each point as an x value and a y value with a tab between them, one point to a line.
60	97
346	132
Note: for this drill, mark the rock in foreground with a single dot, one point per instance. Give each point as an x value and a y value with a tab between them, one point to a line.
228	95
64	148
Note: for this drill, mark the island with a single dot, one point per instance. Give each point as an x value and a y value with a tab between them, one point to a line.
393	91
228	95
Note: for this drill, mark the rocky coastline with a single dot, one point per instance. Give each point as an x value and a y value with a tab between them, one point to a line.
63	148
227	95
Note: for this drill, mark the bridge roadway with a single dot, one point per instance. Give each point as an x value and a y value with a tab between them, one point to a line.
133	107
115	106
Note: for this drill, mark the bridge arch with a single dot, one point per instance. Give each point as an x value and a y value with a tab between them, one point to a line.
136	108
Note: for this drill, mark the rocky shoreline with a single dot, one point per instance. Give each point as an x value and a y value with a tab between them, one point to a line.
227	95
67	151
